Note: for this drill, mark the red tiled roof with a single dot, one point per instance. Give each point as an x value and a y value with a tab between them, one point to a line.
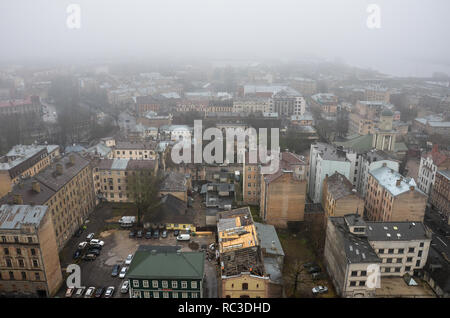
438	157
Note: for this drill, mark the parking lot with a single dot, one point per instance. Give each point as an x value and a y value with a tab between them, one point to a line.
117	245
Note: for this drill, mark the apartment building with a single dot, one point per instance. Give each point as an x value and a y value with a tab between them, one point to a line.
440	194
325	160
392	197
283	193
430	163
340	197
24	161
110	177
29	260
377	93
355	249
304	85
21	106
135	150
327	103
251	180
251	105
66	187
287	102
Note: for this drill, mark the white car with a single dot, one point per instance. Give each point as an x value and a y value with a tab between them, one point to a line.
69	292
123	271
90	236
82	245
89	292
124	287
129	259
109	292
319	290
96	241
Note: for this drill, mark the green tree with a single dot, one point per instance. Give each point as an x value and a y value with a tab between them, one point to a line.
143	189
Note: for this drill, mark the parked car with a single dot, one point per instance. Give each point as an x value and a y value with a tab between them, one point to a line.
90	236
139	234
132	234
82	245
69	292
319	290
115	270
80	292
89	257
164	234
109	291
183	237
310	264
129	259
77	254
156	234
96	246
99	292
94	251
96	242
123	271
148	234
125	286
89	292
314	269
176	233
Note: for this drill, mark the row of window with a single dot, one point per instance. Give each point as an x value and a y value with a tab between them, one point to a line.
165	284
17	239
23	276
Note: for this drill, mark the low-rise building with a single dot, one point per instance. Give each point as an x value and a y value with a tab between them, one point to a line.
135	150
430	163
163	272
440	194
29	260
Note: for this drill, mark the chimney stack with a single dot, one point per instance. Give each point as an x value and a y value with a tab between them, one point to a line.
398	182
18	199
36	186
411	188
384	164
72	159
59	169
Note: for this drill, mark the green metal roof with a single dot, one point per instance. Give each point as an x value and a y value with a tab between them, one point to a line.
359	144
170	265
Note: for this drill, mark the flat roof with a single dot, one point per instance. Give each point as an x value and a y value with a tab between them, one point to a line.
14	216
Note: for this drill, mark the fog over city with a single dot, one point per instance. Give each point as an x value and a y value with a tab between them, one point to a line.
412	38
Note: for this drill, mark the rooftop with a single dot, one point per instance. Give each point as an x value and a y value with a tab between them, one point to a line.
396	231
12	217
173	181
339	186
269	240
387	178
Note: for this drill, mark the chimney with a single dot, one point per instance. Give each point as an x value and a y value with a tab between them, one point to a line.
18	199
36	187
411	188
273	245
59	169
72	159
384	164
398	182
435	148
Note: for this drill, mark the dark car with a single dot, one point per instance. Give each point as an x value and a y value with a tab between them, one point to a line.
115	270
317	275
132	234
94	251
77	254
96	246
148	234
176	233
139	234
89	257
156	234
99	292
314	269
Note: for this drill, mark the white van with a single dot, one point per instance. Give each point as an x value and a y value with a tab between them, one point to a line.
183	237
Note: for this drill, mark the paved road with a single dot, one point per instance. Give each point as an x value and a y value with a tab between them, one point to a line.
49	113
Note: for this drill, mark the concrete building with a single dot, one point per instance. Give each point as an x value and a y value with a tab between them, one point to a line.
340	197
430	163
327	103
392	197
66	187
29	260
110	177
283	193
377	93
355	249
24	161
440	194
287	102
251	105
325	160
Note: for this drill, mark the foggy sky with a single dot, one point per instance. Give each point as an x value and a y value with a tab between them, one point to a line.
413	39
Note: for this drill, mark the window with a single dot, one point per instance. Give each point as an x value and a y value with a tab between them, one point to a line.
411	250
21	263
362	283
16	239
387	269
409	259
30	239
194	295
33	251
245	286
37	276
352	284
154	283
418	263
165	295
174	284
391	251
174	295
388	260
3	239
363	273
419	254
146	294
35	263
19	252
397	269
194	285
421	244
354	273
136	283
24	276
183	284
399	260
407	268
6	251
165	284
11	275
184	295
155	294
8	263
381	251
401	250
